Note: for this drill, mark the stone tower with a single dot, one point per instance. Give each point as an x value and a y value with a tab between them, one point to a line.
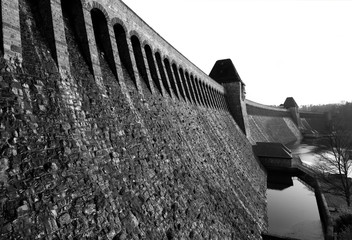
225	73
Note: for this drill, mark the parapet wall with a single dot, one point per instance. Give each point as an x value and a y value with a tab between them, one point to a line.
254	108
107	132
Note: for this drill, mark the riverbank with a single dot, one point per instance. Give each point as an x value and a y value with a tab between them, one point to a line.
336	204
337	208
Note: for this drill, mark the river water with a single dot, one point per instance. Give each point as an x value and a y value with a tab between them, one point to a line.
292	206
293	212
306	151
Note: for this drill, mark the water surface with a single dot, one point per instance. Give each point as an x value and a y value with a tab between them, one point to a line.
293	212
306	152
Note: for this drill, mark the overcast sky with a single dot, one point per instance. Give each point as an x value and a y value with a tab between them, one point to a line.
282	48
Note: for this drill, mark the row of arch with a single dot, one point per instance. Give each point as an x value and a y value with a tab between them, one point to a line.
150	65
140	61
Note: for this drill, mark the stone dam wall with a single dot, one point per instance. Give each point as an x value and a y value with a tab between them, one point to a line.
271	124
279	124
108	132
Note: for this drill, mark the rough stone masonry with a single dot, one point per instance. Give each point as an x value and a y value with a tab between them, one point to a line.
108	132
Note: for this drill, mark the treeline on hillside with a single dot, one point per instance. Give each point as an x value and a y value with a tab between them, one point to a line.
341	114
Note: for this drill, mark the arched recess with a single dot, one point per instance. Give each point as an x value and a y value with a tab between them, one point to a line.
102	38
199	90
211	96
221	101
196	84
162	72
138	55
190	87
171	78
41	10
72	11
124	53
97	5
206	94
184	83
218	99
152	67
195	89
224	105
203	94
1	32
178	80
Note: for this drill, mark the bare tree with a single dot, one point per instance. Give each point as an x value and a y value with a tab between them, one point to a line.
335	164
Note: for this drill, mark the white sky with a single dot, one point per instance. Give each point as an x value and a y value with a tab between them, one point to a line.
282	48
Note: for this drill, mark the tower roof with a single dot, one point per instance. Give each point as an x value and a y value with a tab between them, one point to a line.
290	102
225	72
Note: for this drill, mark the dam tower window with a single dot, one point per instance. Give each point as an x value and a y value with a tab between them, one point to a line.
152	67
178	81
170	75
162	72
184	83
102	38
124	53
138	55
72	11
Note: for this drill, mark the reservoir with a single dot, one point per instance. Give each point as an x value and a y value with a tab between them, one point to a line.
292	205
293	211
